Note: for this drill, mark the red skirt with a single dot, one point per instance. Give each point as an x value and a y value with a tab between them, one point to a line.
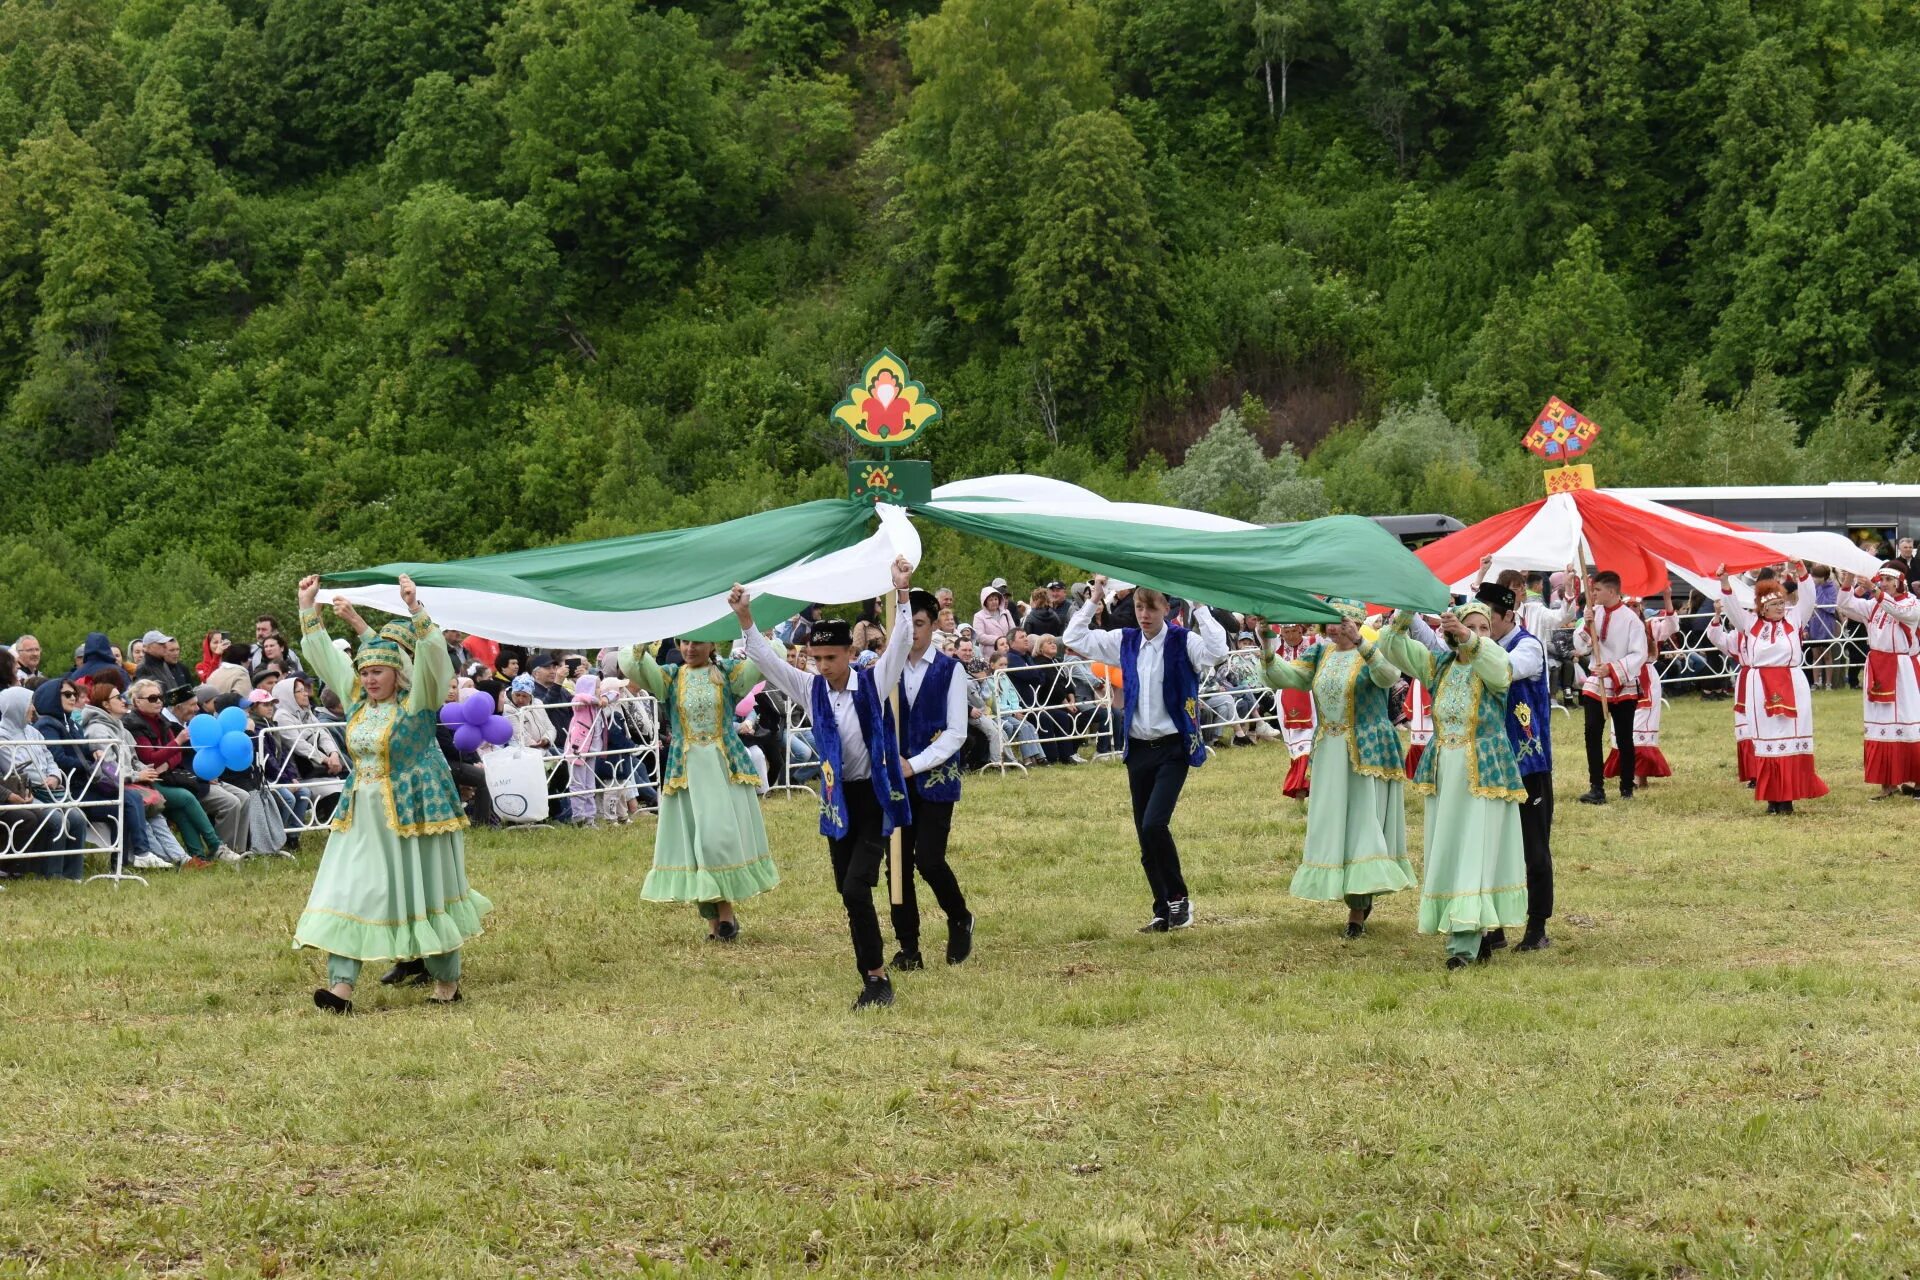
1648	762
1295	787
1746	766
1414	753
1893	764
1786	778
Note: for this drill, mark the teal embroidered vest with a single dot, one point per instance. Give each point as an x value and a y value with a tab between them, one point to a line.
1491	771
692	729
1373	745
406	778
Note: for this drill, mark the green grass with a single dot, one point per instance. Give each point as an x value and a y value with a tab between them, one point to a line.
1712	1073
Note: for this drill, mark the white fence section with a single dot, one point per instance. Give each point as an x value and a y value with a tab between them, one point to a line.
86	815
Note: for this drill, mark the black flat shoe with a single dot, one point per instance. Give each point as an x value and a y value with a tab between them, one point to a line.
1457	962
1355	929
325	999
1595	796
727	930
408	972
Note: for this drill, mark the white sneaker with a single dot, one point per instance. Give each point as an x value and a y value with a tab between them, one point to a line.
228	855
150	862
1265	731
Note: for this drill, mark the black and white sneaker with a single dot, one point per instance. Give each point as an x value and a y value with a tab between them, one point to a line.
1180	914
1156	925
877	993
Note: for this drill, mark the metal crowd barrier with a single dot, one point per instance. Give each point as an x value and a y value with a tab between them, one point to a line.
22	824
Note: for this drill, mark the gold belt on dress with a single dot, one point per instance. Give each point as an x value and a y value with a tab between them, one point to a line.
1454	740
1333	728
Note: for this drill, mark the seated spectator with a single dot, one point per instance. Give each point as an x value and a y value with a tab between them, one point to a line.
26	656
994	619
257	826
334	716
946	623
1048	612
149	846
161	745
274	764
1016	727
273	652
29	770
213	649
230	677
161	662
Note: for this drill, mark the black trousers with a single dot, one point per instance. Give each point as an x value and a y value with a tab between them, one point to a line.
1156	771
923	847
857	859
1536	837
1622	715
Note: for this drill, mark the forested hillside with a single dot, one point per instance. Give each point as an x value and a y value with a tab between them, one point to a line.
288	284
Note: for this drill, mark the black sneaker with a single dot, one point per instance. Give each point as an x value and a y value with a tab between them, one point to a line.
1491	941
1156	925
877	993
1180	913
1595	796
960	940
906	961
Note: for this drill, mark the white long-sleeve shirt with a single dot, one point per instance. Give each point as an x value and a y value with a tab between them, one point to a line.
949	739
1528	658
1206	647
1617	643
798	685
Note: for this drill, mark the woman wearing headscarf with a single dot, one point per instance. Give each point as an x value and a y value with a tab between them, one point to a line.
149	845
392	883
586	738
711	845
213	648
92	774
1357	820
158	742
1476	876
27	763
1891	687
1773	700
315	751
994	619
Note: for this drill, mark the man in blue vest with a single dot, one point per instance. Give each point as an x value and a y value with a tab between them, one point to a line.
863	795
1530	729
1160	669
934	698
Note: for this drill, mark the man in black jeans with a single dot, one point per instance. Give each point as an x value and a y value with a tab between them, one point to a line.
1160	668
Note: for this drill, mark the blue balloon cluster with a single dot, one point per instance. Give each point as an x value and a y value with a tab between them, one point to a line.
220	743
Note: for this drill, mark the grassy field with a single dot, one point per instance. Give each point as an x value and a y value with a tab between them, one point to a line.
1713	1072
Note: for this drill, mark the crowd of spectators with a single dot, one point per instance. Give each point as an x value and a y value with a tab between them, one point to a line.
98	754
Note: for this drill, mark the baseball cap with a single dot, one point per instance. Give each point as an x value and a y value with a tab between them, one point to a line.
259	695
1056	585
156	637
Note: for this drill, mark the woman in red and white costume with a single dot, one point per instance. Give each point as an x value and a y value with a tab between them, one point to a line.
1296	710
1891	615
1648	760
1776	700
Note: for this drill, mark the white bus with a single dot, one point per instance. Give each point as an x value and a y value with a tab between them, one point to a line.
1865	512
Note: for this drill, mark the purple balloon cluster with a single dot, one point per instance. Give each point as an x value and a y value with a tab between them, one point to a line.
474	721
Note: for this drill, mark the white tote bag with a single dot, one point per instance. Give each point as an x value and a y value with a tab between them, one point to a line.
517	782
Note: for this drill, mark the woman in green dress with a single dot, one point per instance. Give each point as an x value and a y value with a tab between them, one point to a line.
1476	877
392	883
1356	817
710	848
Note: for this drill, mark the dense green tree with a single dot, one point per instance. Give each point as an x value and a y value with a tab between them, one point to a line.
622	133
996	76
96	340
1089	283
1831	282
1855	439
1227	473
450	132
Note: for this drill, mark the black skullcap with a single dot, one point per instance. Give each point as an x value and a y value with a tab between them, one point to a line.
832	632
926	602
1495	597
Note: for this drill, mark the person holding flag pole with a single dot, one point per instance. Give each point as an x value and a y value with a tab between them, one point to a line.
863	795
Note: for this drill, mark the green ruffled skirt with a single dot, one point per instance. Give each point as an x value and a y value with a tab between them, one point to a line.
712	843
1356	831
1476	872
382	896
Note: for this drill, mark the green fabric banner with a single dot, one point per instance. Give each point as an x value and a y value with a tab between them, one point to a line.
647	570
1274	573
